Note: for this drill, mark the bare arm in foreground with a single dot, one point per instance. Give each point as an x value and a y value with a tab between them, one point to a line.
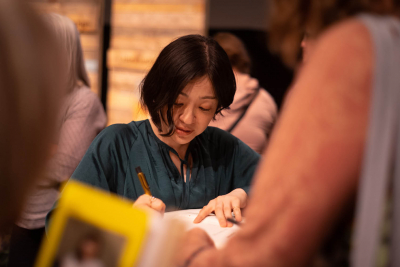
310	170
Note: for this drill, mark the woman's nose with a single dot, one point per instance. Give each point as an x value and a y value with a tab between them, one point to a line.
188	116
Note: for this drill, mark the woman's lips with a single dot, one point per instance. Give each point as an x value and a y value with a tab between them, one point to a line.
182	132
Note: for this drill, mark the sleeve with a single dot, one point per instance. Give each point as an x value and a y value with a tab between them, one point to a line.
244	164
237	159
104	163
85	118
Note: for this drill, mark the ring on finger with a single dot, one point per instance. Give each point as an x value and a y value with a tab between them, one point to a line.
152	199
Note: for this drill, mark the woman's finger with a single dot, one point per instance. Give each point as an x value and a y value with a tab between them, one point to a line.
143	200
219	212
150	202
236	210
157	205
205	211
228	212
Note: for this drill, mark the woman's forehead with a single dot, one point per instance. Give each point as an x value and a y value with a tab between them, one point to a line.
201	87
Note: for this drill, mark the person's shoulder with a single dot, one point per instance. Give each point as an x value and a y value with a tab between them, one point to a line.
214	132
222	144
84	97
341	64
86	92
219	139
266	101
351	32
349	41
120	133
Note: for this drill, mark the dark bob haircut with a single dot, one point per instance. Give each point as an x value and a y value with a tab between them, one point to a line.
185	59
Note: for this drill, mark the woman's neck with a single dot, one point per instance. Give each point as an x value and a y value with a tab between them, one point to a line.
179	148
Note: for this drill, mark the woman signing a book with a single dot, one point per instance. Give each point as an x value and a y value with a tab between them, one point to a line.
186	163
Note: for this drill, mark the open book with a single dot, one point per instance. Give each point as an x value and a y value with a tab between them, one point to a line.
210	224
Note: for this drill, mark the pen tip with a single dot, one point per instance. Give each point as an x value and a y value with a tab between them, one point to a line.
138	169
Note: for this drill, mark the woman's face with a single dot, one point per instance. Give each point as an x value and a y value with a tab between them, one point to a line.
193	110
89	249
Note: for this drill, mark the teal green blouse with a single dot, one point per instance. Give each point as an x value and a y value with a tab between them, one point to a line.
221	163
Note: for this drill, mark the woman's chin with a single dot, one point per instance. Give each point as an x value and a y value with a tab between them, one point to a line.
183	139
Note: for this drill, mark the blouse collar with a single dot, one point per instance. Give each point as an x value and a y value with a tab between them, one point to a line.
167	147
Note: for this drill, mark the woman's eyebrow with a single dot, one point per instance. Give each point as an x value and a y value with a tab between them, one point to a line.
202	97
208	97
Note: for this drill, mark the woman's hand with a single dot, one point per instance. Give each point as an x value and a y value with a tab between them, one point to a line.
146	201
223	207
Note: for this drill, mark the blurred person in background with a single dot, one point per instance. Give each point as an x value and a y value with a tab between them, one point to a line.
336	143
32	75
31	66
253	112
81	118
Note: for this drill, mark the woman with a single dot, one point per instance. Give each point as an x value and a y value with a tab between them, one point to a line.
81	119
320	154
187	164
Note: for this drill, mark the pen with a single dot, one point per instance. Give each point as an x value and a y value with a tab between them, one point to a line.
233	221
143	181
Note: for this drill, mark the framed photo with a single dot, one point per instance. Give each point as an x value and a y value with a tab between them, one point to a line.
94	228
83	244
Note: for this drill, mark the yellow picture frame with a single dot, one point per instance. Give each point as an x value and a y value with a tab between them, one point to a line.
100	210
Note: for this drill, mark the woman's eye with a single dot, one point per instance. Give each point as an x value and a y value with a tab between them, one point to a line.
205	109
178	104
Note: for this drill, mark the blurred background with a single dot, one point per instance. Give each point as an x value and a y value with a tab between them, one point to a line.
122	38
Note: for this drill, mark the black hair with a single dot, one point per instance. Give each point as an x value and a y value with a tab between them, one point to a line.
185	59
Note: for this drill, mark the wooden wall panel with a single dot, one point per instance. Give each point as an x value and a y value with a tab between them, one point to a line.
189	20
140	29
189	2
131	59
87	16
94	82
126	80
90	41
123	106
46	7
123	96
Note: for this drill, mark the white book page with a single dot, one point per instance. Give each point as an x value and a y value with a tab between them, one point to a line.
210	224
